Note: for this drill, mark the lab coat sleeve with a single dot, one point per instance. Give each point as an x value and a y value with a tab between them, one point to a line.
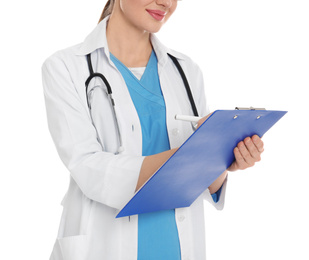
203	108
104	177
220	203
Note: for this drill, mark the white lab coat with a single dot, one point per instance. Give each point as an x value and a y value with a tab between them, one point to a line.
101	182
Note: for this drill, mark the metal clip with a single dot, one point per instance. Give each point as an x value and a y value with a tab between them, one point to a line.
249	108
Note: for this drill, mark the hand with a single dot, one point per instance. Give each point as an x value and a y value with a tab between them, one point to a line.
202	120
247	153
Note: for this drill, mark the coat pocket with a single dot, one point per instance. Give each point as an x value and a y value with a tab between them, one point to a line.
71	248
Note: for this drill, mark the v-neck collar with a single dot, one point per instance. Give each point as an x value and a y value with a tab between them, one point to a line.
149	63
147	79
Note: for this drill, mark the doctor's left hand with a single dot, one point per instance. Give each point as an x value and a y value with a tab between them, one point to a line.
247	153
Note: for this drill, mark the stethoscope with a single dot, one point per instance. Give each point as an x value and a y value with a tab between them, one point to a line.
109	93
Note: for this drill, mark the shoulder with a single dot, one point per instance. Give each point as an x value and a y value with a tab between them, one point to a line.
65	56
161	50
180	56
189	66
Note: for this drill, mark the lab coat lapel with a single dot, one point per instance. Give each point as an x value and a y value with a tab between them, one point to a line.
173	89
127	116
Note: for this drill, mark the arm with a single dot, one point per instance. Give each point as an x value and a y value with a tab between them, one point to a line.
246	154
151	164
102	176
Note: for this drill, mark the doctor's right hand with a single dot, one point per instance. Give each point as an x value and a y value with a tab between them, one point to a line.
202	120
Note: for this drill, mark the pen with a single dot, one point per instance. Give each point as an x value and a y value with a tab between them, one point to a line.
188	118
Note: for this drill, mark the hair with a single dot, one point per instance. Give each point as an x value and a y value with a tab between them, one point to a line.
107	9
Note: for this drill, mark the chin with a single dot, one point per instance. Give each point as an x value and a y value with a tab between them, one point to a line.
154	31
154	28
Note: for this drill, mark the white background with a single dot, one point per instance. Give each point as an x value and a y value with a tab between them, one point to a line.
252	53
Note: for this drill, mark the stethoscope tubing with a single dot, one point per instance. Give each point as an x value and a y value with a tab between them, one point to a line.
109	93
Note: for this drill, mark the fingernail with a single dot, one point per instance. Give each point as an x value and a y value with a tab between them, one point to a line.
255	138
247	140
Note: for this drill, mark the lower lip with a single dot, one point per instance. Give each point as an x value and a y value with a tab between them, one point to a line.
156	16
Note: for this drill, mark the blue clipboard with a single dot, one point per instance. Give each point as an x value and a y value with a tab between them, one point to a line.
203	157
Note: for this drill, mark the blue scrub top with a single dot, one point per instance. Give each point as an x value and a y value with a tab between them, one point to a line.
157	232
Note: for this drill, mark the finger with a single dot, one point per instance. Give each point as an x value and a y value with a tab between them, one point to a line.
238	156
258	143
245	154
239	162
253	149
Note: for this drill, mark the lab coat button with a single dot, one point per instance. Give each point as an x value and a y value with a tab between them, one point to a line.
175	131
181	218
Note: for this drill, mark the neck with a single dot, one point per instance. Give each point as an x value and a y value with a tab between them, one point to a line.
129	44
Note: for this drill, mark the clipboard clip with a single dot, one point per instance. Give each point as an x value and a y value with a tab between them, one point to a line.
249	108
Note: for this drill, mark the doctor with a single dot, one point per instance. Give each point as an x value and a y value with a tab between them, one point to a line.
110	154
